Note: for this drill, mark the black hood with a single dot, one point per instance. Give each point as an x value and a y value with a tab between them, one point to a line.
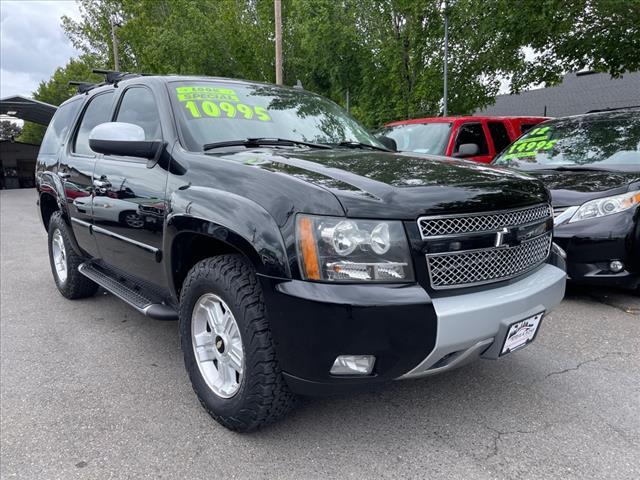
374	184
570	188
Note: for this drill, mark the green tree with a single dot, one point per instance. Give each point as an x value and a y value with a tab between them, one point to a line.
386	55
57	89
9	130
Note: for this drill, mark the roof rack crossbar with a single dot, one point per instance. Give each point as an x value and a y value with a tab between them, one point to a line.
113	77
83	87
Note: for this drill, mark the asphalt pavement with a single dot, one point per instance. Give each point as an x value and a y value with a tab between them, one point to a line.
92	389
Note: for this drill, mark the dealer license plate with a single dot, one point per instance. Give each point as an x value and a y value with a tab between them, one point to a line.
521	333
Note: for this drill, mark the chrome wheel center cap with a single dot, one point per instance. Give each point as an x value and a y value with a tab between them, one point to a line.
219	344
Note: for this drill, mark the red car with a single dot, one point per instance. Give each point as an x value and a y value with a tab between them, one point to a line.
475	138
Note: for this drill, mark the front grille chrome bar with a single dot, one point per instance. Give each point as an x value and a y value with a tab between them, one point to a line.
456	268
446	225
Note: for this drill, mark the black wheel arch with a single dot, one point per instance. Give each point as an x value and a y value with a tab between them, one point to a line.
188	240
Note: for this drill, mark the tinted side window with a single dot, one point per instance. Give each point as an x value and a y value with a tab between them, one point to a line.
472	133
59	126
525	127
139	107
98	111
499	136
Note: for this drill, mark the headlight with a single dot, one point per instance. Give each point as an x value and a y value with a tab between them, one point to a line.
344	250
601	207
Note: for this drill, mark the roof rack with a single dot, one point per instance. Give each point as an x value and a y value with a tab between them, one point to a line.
113	77
83	87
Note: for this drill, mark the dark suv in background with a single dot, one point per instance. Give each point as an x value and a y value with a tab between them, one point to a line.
299	254
591	164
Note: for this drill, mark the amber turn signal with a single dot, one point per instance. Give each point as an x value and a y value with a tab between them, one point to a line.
308	248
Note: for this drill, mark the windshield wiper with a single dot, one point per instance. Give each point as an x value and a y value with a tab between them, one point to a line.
350	144
261	142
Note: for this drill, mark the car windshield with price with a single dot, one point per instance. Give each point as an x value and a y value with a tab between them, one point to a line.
216	113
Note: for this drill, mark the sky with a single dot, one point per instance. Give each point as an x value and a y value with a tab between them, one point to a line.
32	43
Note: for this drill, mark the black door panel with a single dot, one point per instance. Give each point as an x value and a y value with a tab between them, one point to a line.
128	215
129	198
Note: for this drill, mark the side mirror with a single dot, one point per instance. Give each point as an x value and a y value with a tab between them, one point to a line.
388	142
126	139
467	150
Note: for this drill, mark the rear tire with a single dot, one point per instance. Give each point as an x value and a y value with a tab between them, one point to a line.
65	261
257	394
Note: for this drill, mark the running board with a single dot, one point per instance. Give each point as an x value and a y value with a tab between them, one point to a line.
128	290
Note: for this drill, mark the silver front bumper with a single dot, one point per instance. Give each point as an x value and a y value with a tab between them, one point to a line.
475	324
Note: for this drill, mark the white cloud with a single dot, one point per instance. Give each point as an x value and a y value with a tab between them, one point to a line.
32	43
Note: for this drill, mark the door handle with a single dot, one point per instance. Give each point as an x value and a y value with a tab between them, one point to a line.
101	185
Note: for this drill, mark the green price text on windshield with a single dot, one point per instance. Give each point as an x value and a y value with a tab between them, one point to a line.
215	102
537	141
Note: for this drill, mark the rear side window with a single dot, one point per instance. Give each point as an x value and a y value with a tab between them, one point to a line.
525	127
139	107
472	133
59	126
499	136
98	111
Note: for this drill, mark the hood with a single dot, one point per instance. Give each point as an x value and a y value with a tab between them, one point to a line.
375	184
569	188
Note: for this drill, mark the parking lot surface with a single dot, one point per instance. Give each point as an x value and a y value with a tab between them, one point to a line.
92	389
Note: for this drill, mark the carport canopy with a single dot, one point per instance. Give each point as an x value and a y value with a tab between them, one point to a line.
27	109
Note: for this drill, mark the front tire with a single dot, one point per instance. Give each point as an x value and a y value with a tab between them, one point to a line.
227	345
65	261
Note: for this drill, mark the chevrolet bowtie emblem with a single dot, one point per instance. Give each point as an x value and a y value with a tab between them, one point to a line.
500	237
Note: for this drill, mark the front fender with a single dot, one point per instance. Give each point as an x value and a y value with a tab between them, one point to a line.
232	219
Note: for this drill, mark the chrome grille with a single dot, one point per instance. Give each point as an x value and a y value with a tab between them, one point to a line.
493	245
451	270
481	222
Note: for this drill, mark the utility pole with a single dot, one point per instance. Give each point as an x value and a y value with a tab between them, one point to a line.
277	4
114	42
446	57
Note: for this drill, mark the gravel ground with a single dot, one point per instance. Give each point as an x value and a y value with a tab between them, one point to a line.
92	389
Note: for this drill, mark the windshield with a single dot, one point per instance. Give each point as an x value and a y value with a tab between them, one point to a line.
420	137
607	142
214	111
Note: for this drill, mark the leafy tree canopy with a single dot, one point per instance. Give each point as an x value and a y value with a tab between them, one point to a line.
9	130
385	56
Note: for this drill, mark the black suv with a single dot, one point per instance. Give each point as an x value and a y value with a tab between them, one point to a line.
299	254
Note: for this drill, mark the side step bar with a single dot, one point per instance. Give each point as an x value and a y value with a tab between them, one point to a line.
123	287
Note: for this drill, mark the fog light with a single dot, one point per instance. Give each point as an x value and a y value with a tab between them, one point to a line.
353	365
616	266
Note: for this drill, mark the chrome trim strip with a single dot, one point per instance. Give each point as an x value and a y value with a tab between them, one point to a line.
565	215
483	232
109	233
473	250
485	212
479	214
80	222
